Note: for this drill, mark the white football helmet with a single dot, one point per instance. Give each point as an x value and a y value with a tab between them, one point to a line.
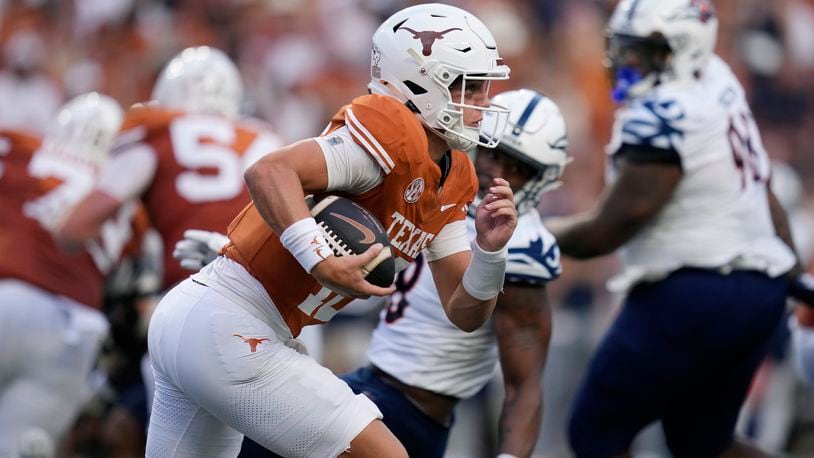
420	51
200	80
536	135
84	129
656	41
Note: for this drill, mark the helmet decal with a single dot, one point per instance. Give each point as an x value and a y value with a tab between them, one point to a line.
428	37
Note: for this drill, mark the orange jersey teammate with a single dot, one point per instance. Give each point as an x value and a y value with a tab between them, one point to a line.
51	327
184	156
396	152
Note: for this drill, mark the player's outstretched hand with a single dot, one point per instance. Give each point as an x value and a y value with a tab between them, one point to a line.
344	274
496	216
802	289
198	248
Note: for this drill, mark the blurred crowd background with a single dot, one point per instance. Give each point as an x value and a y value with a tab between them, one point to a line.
303	59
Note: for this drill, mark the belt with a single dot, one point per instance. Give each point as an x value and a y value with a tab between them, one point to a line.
437	406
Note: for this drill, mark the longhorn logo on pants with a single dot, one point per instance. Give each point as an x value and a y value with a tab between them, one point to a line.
252	341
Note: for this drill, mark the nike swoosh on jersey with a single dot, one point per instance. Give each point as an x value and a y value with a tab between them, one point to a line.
368	235
447	207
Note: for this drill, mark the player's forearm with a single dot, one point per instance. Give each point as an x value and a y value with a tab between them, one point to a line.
277	193
469	313
86	219
584	236
521	418
780	221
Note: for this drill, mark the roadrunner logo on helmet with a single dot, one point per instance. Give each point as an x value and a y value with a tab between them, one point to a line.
420	51
657	41
535	135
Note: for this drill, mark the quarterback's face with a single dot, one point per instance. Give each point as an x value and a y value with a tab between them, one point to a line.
491	163
476	93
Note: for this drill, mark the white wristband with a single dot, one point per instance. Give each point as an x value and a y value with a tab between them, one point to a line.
305	241
506	455
483	278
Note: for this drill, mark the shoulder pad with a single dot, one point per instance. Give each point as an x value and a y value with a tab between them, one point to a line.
387	130
652	122
534	256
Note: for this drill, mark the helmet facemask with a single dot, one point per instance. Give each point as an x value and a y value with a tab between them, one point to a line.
635	64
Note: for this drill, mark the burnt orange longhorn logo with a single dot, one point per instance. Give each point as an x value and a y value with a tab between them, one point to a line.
252	341
428	37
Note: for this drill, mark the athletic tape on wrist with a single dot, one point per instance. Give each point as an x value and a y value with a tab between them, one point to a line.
305	241
483	278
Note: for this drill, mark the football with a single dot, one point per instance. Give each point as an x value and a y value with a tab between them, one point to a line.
351	229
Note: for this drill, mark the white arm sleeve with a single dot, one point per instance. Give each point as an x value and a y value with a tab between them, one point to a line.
451	239
350	167
129	172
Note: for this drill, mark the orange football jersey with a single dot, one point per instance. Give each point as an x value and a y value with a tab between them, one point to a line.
198	182
29	252
410	203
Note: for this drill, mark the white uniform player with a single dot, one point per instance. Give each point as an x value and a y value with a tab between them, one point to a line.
704	247
415	342
421	364
723	189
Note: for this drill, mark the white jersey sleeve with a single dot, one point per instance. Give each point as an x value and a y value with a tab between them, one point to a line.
451	239
350	167
534	256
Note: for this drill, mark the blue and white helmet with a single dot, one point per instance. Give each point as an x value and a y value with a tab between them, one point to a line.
535	135
200	80
670	40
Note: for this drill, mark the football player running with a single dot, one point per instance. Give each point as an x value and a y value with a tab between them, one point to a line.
51	327
223	342
183	155
704	243
421	364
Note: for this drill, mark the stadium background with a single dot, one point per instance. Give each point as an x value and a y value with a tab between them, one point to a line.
302	59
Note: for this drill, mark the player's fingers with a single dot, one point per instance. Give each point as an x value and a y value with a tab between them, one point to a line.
197	235
499	204
370	289
500	181
503	191
191	264
370	253
185	248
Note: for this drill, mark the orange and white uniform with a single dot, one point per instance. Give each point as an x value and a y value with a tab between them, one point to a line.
237	317
410	202
187	168
50	324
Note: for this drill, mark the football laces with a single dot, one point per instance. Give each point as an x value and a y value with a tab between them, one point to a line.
339	247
